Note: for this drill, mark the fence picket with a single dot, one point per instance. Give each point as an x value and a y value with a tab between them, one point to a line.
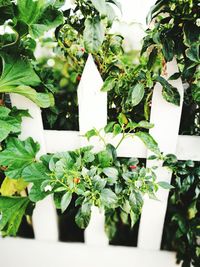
92	114
166	118
44	216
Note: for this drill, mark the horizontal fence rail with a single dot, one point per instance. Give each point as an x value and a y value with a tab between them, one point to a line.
130	147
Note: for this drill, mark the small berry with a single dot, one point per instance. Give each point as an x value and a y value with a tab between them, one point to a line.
76	180
133	167
78	78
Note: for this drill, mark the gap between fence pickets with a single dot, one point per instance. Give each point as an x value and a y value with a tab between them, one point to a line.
44	216
166	118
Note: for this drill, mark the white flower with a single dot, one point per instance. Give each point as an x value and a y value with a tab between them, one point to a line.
48	188
198	22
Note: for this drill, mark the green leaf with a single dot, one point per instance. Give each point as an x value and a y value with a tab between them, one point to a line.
65	201
12	210
83	216
111	172
109	127
35	172
6	11
168	48
122	119
17	155
193	53
17	71
36	194
40	16
93	34
196	92
10	122
165	185
145	125
175	76
90	134
148	140
169	92
117	129
136	202
100	6
108	198
10	186
152	58
17	77
109	84
43	100
137	94
105	158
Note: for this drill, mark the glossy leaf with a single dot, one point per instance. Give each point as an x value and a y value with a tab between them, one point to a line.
17	155
12	210
93	34
137	94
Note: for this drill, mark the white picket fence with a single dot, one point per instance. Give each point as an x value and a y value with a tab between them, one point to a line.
45	250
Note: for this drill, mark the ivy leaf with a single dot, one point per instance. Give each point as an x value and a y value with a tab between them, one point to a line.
35	172
12	211
137	94
38	15
10	121
6	11
165	185
17	77
169	92
17	155
65	201
148	140
83	216
93	34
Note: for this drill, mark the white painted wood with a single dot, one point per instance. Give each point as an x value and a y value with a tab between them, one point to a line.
65	140
92	114
92	102
44	215
166	118
188	147
51	254
94	233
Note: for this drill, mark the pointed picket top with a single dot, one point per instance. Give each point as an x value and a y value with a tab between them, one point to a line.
166	119
92	102
92	114
44	215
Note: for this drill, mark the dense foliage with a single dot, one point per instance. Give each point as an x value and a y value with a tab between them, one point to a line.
82	177
181	232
